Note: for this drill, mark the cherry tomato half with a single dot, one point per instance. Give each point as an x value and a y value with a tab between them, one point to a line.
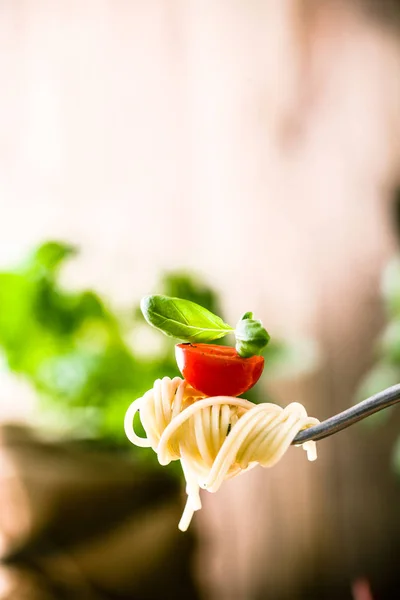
218	370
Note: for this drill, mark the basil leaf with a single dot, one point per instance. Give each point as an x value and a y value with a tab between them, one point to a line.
183	319
251	337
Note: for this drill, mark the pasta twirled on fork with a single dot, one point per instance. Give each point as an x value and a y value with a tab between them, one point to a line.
215	438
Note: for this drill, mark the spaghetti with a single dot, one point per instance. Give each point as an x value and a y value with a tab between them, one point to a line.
215	438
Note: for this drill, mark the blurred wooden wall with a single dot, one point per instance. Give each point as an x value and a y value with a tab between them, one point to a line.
256	142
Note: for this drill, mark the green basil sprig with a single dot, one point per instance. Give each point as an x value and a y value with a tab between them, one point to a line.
190	322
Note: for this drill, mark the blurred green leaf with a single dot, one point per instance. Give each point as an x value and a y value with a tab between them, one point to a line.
181	284
285	359
390	287
49	256
388	346
381	376
377	379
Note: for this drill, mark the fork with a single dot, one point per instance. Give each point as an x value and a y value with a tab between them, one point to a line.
350	416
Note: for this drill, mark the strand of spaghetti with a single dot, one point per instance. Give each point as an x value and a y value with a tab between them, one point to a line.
128	425
193	501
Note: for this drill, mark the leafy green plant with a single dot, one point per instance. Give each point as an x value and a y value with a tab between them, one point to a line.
72	347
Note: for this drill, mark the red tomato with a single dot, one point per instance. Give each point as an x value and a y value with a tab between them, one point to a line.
218	370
